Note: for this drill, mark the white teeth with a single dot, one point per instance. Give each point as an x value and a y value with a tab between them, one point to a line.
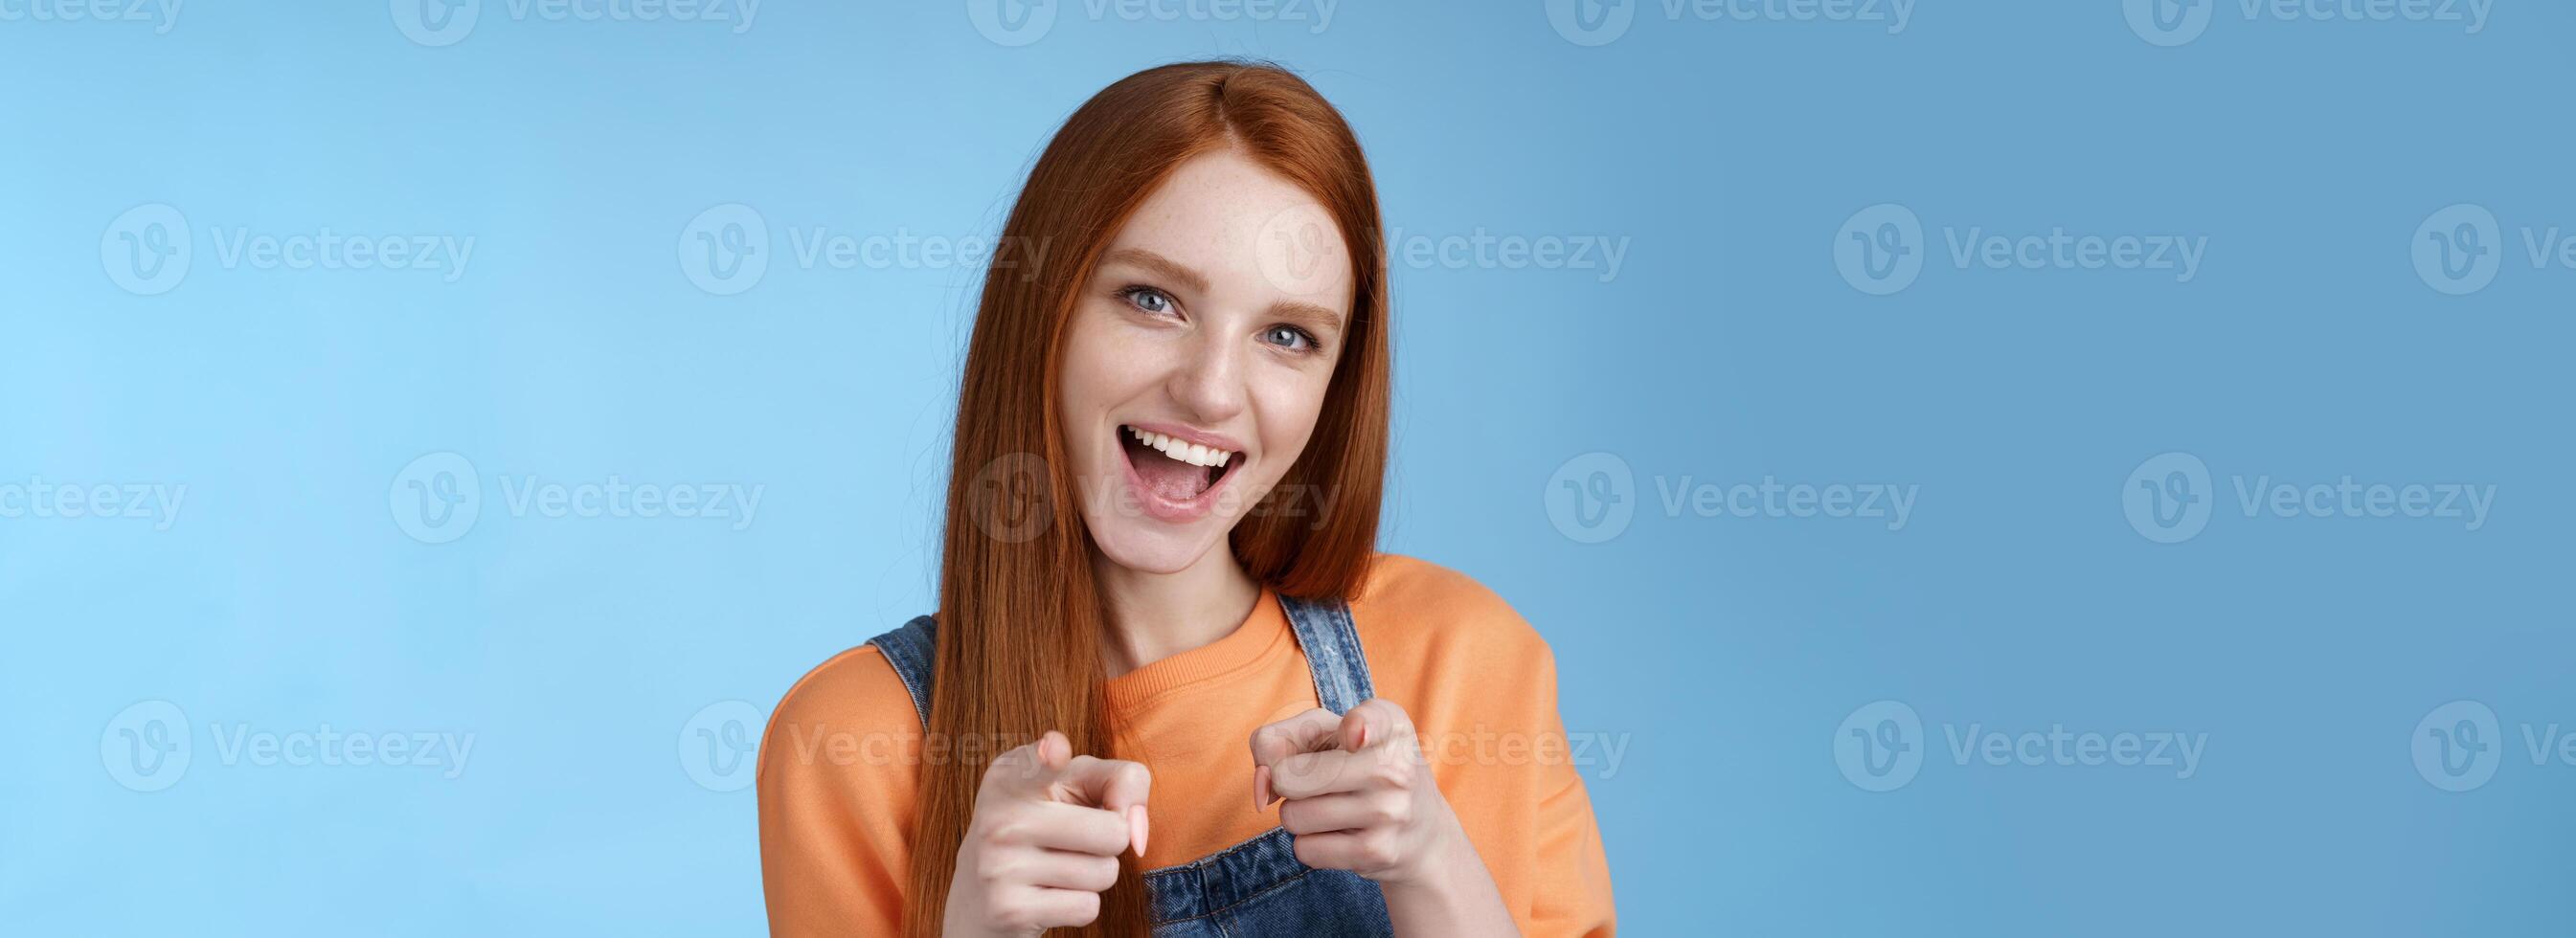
1182	450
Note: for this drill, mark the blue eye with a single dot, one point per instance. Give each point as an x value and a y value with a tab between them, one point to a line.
1288	337
1147	299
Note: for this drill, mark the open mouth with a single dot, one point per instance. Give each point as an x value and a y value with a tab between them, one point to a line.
1174	469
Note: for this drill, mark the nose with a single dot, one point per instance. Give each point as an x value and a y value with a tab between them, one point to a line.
1210	382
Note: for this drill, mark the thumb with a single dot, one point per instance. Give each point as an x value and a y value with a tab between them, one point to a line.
1374	721
1115	784
1030	770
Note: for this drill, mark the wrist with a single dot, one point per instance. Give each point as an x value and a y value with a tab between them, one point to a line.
1449	863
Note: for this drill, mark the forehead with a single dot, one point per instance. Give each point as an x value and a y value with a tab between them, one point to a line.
1254	235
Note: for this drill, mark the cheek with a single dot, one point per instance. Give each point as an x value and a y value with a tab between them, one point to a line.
1288	400
1089	380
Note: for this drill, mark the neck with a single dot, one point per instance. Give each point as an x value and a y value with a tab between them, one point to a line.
1153	616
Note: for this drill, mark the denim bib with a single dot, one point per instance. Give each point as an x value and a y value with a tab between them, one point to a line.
1256	887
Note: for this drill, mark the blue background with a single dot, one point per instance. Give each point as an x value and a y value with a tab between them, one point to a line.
285	594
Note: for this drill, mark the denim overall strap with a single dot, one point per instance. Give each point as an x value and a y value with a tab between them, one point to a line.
910	649
1258	887
1332	649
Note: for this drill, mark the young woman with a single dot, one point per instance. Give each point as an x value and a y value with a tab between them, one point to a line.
1170	687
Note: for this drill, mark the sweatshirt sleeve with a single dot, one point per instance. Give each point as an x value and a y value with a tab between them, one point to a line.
1480	683
1573	893
837	790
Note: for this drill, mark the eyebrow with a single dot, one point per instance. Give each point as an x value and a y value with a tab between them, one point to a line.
1311	315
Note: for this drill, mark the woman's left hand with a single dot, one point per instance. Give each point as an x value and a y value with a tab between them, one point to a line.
1361	798
1359	795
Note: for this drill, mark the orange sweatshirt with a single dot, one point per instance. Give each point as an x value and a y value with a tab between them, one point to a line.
837	784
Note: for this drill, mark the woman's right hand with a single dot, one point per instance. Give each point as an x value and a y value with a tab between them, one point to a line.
1045	839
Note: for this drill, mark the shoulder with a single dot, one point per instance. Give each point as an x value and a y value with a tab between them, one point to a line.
847	712
1414	613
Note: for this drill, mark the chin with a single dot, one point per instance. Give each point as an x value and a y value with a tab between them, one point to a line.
1134	543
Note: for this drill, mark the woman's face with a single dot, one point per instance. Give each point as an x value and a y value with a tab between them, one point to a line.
1198	356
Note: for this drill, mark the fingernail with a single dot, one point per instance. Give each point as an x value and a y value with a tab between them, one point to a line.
1359	737
1136	828
1260	787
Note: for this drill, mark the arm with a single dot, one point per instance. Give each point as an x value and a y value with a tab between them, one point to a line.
833	859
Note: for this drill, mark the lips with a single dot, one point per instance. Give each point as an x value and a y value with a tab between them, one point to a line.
1175	478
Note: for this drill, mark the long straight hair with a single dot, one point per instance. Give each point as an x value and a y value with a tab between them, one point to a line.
1020	618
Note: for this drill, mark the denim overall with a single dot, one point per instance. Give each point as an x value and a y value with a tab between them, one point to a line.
1256	887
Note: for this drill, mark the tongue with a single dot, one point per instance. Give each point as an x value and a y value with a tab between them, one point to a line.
1167	477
